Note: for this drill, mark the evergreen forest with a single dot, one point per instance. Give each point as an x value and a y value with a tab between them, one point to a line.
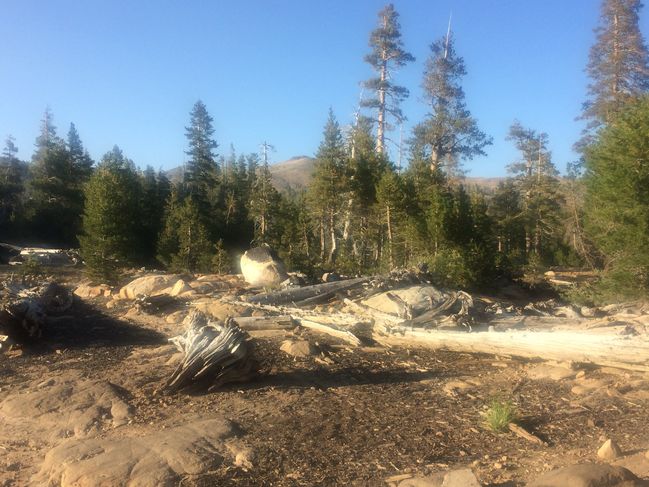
364	212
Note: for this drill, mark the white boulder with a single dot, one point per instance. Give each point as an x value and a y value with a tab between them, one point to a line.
261	266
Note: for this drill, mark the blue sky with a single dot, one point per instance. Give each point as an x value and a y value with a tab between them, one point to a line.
128	73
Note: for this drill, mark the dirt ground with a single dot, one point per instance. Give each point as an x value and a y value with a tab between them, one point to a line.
346	416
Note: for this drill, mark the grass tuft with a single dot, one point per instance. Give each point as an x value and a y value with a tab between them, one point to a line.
499	415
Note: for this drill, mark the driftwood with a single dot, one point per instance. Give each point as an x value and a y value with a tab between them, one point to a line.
459	303
336	324
621	351
255	323
300	294
54	257
554	333
214	355
24	310
330	329
526	435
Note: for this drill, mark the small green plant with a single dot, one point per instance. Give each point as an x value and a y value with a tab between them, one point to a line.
31	268
500	414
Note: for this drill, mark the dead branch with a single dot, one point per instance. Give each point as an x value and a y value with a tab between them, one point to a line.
295	295
523	433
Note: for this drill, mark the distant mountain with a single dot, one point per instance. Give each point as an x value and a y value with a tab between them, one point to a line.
175	175
296	173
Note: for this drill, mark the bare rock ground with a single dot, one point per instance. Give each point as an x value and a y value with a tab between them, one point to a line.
84	408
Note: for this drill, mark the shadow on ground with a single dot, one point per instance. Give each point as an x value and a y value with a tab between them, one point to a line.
349	376
84	326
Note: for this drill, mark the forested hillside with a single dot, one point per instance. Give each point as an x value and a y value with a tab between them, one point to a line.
361	212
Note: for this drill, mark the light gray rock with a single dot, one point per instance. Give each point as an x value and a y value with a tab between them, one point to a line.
158	458
67	406
544	371
261	266
463	477
149	286
609	450
89	291
298	348
588	475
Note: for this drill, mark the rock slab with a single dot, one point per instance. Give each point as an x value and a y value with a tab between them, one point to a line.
160	458
589	475
66	406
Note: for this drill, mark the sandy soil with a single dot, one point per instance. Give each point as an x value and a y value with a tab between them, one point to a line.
346	416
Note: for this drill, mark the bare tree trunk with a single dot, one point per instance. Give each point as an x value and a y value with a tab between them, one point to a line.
322	239
380	129
332	236
348	219
388	220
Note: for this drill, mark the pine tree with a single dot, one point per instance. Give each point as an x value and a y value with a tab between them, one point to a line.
151	211
264	205
47	138
506	212
111	220
617	200
80	159
12	185
202	175
328	184
386	56
536	178
184	243
449	134
365	169
390	195
618	66
55	194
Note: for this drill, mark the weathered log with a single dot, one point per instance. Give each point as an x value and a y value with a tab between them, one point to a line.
336	324
330	329
458	302
255	323
24	311
626	352
295	295
214	355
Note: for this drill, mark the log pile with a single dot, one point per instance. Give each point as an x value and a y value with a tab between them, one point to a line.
24	309
410	313
213	355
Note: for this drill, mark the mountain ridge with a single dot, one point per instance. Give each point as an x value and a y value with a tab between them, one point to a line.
294	174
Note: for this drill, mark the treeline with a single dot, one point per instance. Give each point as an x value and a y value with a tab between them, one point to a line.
362	212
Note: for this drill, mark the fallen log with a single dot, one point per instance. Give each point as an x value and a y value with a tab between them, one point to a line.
24	310
295	295
330	329
256	323
214	355
620	351
336	324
